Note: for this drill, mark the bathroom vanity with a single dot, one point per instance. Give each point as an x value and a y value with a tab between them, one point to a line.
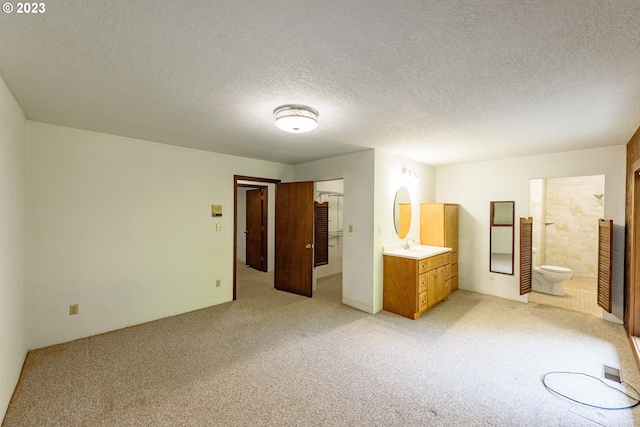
415	279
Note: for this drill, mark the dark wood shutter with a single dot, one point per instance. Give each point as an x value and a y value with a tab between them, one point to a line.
526	256
605	268
321	243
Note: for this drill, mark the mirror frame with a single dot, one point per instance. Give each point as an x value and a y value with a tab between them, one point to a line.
500	221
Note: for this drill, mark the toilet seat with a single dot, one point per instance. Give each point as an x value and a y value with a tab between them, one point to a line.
555	269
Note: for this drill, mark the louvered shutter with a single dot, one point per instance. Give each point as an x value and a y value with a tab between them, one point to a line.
321	243
605	270
526	259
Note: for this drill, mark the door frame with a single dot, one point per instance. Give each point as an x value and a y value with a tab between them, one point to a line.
236	184
633	305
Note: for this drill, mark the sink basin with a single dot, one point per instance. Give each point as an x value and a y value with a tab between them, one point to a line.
418	251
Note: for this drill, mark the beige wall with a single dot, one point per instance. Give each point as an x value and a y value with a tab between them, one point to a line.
13	282
123	228
357	170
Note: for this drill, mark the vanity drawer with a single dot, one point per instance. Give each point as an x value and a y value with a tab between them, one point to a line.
436	261
422	283
447	271
430	263
454	270
422	301
454	257
447	258
423	266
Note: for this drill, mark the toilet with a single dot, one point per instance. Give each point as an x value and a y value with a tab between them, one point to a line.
549	278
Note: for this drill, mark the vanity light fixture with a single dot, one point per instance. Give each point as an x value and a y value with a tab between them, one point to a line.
411	174
408	178
296	118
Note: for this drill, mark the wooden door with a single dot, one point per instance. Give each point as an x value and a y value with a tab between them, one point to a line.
605	270
294	238
526	258
256	227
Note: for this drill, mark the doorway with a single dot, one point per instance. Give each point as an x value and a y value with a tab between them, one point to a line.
291	244
329	275
253	234
565	213
332	193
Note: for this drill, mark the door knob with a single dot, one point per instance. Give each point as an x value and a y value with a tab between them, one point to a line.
309	246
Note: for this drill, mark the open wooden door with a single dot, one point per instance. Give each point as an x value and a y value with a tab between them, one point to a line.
526	255
294	237
256	228
605	267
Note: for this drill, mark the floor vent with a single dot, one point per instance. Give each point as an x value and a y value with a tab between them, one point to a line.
612	374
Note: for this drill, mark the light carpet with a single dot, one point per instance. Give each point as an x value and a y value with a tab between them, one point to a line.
276	359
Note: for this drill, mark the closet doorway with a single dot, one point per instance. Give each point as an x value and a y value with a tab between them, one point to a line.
331	194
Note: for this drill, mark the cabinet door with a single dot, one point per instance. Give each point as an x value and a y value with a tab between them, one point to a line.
440	276
451	226
431	288
422	302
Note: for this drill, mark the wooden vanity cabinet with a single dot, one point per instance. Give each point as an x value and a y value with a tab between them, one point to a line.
412	286
439	227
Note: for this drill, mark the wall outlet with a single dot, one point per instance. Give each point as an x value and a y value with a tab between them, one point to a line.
218	227
350	228
73	309
217	283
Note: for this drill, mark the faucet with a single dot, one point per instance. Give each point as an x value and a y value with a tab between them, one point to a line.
406	244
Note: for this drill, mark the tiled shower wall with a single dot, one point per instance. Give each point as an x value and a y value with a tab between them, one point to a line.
571	211
537	204
572	214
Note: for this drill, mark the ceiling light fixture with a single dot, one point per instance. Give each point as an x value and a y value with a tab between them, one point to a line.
296	118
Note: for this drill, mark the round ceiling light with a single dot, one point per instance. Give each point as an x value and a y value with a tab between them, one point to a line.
296	118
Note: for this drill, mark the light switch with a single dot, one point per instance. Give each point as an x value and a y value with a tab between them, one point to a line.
218	227
350	228
216	210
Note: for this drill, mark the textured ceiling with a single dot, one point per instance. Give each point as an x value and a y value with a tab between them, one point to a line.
439	82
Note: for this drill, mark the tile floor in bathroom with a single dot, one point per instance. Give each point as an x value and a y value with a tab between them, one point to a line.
580	295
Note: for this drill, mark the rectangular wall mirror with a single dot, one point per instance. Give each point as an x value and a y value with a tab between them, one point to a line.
502	235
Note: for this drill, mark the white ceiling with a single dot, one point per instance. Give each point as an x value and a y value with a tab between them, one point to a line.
439	82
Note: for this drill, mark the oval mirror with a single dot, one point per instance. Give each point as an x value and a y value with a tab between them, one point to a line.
402	212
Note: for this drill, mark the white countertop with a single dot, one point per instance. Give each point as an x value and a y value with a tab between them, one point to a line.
414	252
